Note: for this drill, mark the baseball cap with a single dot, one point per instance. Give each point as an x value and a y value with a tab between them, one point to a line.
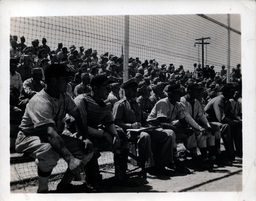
133	82
56	70
194	86
172	88
100	79
227	87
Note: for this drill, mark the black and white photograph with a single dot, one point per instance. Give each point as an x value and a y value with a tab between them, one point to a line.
155	102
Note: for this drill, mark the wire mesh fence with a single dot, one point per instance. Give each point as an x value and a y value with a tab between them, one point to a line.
165	38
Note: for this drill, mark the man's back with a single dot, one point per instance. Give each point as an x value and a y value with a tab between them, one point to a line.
214	109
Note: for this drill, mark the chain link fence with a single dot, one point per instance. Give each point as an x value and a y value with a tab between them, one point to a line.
165	38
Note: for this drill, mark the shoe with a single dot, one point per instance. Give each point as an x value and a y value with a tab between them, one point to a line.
202	164
70	188
158	171
239	154
221	162
126	182
152	171
180	168
45	191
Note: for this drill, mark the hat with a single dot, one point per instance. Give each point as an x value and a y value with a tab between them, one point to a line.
115	84
84	75
133	82
41	50
120	60
94	52
105	54
227	87
194	86
140	68
56	70
72	47
158	86
139	75
142	83
65	49
172	88
37	70
14	61
131	59
147	78
44	60
143	89
100	79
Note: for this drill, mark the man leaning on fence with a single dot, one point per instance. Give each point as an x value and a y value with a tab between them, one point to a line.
41	128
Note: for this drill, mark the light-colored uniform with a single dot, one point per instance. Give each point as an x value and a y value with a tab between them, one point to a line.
197	113
173	113
41	112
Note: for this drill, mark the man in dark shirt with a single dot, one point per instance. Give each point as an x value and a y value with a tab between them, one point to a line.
102	131
128	115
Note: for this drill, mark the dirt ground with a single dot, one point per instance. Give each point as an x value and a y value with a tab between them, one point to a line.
219	179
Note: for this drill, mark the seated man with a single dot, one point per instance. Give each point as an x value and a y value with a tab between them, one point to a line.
219	110
154	146
84	86
41	128
144	102
170	114
205	142
157	92
102	131
114	95
31	86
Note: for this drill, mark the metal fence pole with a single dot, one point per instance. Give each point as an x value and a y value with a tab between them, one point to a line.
126	48
228	70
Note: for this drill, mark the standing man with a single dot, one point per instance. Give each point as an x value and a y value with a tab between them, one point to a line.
102	131
44	46
41	130
22	45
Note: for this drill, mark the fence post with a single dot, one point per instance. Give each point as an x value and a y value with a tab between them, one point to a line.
228	70
126	48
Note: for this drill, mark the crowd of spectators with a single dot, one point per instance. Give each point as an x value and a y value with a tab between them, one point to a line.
27	65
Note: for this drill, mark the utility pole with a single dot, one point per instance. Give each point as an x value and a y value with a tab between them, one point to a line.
202	43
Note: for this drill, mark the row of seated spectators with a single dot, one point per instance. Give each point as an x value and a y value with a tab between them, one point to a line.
30	61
